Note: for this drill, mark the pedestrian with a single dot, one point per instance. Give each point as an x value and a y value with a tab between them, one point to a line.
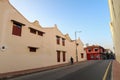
71	60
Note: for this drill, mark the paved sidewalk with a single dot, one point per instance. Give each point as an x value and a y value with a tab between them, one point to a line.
116	70
29	71
24	72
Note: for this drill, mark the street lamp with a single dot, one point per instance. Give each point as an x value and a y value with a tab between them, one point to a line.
76	44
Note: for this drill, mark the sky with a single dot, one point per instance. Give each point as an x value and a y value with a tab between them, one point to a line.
91	17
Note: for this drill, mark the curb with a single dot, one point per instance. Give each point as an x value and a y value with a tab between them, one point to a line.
112	72
10	75
6	76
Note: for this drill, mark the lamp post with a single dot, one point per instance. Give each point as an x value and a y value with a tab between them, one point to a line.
76	44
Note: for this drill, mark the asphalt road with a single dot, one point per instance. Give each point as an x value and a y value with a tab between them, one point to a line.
89	70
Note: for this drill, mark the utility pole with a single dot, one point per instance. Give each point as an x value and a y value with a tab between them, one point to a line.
76	44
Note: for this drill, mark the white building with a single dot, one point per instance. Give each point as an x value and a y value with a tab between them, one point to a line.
25	45
114	6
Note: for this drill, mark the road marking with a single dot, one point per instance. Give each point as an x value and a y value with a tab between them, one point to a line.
106	72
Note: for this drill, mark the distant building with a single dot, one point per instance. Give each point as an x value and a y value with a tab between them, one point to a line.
27	45
108	54
108	51
94	52
114	6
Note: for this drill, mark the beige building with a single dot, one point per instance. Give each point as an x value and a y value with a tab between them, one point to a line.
114	6
25	45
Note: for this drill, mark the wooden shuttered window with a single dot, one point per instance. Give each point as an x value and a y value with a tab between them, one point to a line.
82	55
17	28
35	31
63	41
64	56
40	33
58	40
32	49
32	30
58	56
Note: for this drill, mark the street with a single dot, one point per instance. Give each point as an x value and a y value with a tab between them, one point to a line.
88	70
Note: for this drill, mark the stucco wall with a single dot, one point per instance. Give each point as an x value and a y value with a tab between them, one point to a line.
16	55
114	6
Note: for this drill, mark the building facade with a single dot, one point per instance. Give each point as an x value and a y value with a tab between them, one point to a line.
114	6
25	45
94	52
